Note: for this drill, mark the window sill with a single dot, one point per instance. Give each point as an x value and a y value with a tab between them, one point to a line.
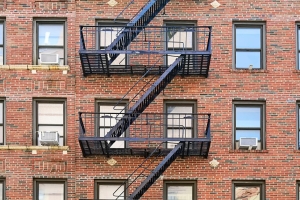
19	147
35	67
248	151
249	71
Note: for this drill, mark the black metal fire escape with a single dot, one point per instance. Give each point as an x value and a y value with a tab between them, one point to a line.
99	61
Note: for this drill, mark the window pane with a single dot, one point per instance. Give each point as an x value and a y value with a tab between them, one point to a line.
247	193
1	34
117	144
108	34
247	38
247	134
180	109
180	192
245	59
111	192
50	113
1	56
180	38
51	191
1	113
298	38
51	34
1	191
1	135
108	119
248	117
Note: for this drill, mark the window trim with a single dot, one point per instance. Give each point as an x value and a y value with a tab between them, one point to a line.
262	26
36	101
111	22
98	182
3	21
298	190
250	104
37	181
297	46
38	21
3	100
259	183
179	23
192	183
298	124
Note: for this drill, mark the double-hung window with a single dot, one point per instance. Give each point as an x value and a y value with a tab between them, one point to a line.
298	46
180	190
249	46
180	122
110	190
1	42
50	42
248	190
179	38
249	125
2	189
2	115
109	115
50	116
108	32
50	189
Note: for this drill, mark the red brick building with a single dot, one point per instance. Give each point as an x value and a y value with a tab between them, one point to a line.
158	99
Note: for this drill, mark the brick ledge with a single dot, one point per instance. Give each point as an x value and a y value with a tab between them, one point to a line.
19	147
35	67
248	151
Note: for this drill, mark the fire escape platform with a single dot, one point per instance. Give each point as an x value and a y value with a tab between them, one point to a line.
145	134
154	47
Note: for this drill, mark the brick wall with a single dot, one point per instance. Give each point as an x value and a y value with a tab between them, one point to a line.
277	85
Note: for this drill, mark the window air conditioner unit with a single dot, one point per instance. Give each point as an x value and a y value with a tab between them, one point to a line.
248	143
49	59
49	138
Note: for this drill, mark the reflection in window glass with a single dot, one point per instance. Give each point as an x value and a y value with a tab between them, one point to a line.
1	122
248	47
109	116
180	192
1	43
111	192
179	122
247	193
248	124
1	190
51	40
50	191
50	117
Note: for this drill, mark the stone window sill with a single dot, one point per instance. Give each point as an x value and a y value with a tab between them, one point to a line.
248	151
35	67
19	147
249	71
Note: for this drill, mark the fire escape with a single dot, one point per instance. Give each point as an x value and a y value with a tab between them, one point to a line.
158	53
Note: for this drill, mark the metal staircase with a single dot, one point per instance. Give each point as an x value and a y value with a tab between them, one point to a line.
146	99
135	26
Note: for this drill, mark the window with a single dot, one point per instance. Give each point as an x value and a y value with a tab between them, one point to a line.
249	123
110	190
110	114
298	190
49	189
298	45
180	121
249	46
1	42
180	190
179	39
50	42
107	34
248	190
2	116
298	125
2	189
50	115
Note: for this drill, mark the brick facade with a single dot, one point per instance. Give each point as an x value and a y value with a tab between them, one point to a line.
277	85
